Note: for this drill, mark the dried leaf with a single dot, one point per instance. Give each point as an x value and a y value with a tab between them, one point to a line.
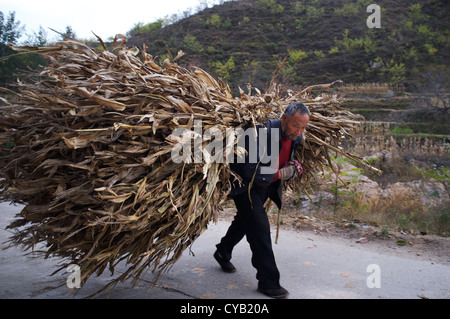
89	154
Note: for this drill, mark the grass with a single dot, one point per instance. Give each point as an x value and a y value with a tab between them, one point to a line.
430	130
406	207
401	210
408	198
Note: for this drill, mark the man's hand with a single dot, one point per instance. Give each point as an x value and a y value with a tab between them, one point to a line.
287	172
299	167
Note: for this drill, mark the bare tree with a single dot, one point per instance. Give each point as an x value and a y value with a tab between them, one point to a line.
433	92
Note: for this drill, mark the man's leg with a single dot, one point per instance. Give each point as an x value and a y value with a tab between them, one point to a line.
233	236
258	236
254	222
251	219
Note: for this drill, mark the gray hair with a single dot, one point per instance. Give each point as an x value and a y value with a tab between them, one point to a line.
294	107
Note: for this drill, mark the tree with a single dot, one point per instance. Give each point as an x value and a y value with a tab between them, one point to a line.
141	29
68	34
432	92
272	6
38	39
190	42
296	56
225	70
12	65
10	30
215	20
394	72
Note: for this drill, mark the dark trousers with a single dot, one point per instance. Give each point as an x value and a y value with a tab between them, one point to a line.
251	220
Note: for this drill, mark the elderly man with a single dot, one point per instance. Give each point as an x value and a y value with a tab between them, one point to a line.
258	184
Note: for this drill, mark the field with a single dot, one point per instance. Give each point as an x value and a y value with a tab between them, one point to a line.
409	143
413	193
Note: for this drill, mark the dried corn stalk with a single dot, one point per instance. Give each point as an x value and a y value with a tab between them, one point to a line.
88	151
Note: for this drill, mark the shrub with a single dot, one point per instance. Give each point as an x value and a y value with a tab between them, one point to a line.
224	70
296	56
191	43
400	130
347	10
214	20
271	5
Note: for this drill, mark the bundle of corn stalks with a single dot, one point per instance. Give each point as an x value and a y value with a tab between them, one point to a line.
87	148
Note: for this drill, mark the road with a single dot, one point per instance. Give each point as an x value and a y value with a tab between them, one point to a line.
312	266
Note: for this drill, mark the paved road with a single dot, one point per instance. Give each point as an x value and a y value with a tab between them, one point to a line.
311	266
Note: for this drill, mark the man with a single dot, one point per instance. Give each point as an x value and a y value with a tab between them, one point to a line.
251	193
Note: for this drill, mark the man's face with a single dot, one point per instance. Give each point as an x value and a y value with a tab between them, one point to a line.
294	126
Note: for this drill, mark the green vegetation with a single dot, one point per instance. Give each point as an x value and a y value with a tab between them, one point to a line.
271	5
190	43
225	70
399	130
12	64
402	207
10	31
323	40
141	29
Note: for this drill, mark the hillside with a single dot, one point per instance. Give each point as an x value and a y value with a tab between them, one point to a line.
323	40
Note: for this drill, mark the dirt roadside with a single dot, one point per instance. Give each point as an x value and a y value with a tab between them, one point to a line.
434	249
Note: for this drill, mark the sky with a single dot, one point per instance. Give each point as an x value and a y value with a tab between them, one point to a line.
104	18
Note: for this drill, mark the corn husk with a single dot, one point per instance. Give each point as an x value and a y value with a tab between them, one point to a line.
87	148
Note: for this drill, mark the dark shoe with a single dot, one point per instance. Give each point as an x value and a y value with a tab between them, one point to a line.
274	293
226	265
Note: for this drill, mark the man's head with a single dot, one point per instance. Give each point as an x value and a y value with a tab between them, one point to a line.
294	120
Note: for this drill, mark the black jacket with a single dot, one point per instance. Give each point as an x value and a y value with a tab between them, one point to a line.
254	170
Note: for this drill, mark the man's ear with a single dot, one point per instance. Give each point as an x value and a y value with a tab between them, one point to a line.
283	119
